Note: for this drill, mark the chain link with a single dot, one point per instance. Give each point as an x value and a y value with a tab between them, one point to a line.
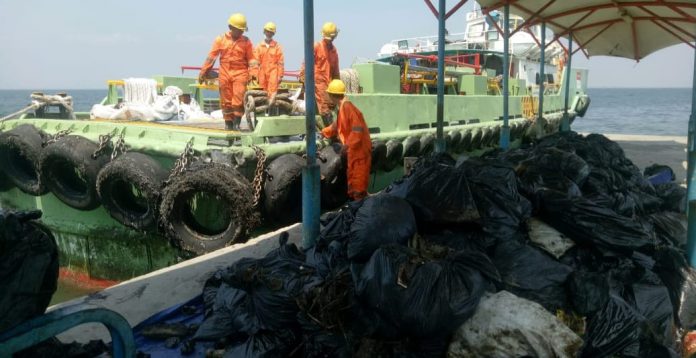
104	142
257	183
53	138
186	157
119	147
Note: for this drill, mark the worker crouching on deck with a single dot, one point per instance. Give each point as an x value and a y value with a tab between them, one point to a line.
236	56
352	131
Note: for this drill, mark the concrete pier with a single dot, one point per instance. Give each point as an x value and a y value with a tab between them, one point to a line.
645	150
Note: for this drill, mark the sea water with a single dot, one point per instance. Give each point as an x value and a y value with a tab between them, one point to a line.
651	111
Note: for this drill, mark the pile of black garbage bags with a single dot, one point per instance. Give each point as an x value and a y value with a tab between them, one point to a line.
399	273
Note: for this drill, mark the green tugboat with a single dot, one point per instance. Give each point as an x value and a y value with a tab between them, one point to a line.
125	196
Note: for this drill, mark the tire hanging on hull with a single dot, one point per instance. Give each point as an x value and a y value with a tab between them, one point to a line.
70	172
20	154
129	188
207	207
395	151
379	156
411	147
283	189
334	182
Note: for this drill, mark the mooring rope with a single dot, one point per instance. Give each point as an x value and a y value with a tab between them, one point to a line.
39	100
350	77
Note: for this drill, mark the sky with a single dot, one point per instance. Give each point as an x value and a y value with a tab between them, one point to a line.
80	44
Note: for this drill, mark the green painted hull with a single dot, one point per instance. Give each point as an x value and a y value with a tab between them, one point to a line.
93	242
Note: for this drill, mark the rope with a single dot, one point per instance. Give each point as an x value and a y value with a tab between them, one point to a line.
39	100
350	77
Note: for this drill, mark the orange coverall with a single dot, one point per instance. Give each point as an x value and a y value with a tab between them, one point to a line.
271	65
353	132
325	69
235	58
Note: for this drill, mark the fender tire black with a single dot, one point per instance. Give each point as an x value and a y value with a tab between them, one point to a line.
20	154
114	183
464	144
455	139
475	142
411	147
334	182
214	178
68	170
283	189
379	156
427	144
395	151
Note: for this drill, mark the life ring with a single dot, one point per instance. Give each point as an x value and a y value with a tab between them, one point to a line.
70	172
427	144
20	154
411	147
333	176
206	207
283	189
379	156
129	188
395	151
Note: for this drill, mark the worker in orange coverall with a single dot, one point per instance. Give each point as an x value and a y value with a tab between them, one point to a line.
325	69
271	62
236	56
352	131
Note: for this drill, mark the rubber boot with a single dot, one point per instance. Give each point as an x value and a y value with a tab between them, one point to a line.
236	122
229	125
327	119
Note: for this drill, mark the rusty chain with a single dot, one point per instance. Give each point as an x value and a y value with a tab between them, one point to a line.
53	138
186	157
104	142
119	147
257	183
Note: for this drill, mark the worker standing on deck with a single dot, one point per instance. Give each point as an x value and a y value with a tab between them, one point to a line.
325	69
236	56
352	131
271	62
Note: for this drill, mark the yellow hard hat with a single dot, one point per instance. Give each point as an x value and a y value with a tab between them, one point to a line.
336	87
238	21
329	30
270	27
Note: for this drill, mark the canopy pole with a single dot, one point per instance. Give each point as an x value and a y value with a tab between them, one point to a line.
310	173
690	178
505	131
542	77
440	140
565	122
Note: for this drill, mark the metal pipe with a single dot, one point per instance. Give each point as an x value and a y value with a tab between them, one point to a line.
565	122
440	139
542	78
505	131
310	173
691	185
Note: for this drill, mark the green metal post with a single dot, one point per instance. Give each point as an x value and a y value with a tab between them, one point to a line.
565	122
542	78
690	177
440	139
505	131
310	173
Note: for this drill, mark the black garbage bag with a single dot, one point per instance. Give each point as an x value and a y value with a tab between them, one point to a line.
467	239
336	224
530	273
256	295
494	187
680	280
622	204
28	267
673	196
554	160
532	181
670	227
438	193
423	299
613	330
590	224
588	291
265	345
382	219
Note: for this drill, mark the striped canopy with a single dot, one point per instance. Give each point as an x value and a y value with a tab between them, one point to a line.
621	28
